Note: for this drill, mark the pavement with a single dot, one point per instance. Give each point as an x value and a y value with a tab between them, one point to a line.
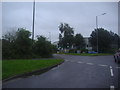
75	72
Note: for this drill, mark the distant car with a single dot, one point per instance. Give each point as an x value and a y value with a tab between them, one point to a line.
117	56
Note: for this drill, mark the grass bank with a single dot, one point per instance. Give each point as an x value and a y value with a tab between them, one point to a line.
88	54
16	67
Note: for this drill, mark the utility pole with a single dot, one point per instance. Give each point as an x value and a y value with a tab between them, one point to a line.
33	26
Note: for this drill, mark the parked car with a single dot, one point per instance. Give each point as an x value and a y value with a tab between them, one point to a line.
117	56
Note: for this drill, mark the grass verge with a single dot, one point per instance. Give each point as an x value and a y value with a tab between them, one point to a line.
16	67
88	54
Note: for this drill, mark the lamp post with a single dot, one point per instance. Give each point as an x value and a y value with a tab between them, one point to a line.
33	20
97	29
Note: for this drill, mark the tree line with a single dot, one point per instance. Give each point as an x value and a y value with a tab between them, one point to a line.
19	45
107	41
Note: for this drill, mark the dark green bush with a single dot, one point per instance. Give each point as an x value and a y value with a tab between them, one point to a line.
20	46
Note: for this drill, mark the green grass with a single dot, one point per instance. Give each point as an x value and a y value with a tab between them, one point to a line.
16	67
88	54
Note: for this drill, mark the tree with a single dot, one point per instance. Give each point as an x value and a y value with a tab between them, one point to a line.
66	37
105	39
79	41
119	42
8	41
10	36
54	47
23	43
17	44
42	47
60	45
6	49
115	40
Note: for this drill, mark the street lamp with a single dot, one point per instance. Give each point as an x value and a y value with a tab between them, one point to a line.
97	29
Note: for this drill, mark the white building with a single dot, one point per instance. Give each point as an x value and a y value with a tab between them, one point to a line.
88	45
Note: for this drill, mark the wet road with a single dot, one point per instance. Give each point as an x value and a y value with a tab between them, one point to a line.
75	72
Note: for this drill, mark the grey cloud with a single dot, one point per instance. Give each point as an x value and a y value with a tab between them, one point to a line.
80	15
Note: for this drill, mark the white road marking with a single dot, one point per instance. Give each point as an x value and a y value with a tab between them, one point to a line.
79	62
72	61
118	67
102	65
111	71
66	60
112	87
110	67
98	65
90	63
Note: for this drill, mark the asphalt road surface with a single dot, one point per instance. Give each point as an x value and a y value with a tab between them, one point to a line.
75	72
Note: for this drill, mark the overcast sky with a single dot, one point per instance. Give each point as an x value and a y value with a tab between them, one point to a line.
49	15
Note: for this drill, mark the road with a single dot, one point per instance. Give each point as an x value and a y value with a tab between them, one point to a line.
75	72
